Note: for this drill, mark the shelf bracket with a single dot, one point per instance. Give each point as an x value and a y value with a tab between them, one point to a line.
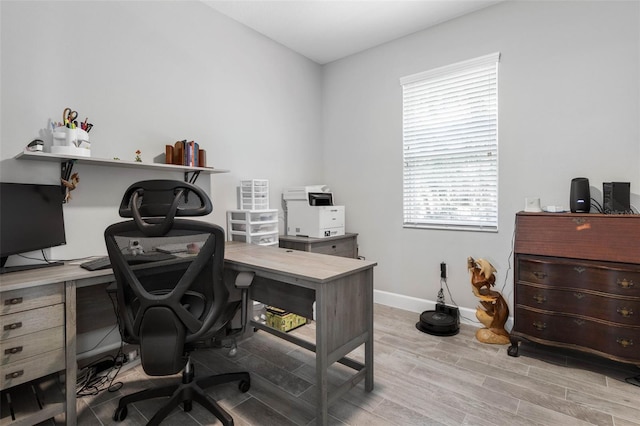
194	176
66	167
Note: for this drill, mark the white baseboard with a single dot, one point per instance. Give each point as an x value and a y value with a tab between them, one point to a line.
413	304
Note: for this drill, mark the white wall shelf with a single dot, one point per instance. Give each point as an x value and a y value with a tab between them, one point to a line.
45	156
67	162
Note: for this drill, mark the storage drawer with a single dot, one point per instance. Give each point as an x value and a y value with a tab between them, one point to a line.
614	278
30	298
29	345
26	370
344	248
27	322
625	311
617	342
580	236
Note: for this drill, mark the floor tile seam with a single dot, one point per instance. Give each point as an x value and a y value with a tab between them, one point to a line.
610	410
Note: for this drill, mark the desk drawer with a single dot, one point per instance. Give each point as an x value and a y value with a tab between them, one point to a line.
26	322
30	298
26	370
344	248
29	345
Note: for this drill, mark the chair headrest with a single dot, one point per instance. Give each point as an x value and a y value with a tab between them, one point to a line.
163	199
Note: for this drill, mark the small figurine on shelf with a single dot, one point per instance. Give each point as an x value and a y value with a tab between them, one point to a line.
138	159
70	185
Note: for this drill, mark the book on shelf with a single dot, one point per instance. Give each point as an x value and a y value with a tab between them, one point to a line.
185	153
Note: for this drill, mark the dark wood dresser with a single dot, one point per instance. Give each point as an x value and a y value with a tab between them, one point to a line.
577	283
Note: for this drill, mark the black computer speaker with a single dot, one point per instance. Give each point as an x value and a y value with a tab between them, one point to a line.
580	198
616	197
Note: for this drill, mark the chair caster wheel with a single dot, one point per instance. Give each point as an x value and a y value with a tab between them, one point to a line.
244	386
120	414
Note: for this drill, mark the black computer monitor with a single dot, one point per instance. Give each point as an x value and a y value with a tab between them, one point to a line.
31	219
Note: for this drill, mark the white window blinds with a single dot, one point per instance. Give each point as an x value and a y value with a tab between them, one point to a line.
450	141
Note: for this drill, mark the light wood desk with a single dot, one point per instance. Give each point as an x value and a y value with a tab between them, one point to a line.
341	288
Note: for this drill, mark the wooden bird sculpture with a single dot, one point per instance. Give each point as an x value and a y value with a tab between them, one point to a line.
70	185
494	311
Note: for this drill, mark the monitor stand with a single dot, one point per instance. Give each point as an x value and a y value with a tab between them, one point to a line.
9	269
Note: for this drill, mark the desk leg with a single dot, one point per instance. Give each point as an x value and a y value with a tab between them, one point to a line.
322	358
71	370
368	345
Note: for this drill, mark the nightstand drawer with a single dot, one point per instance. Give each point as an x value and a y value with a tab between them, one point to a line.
31	321
29	345
30	298
26	370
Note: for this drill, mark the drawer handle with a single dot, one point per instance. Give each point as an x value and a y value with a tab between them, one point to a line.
333	247
540	298
579	220
625	312
539	325
579	295
14	301
624	283
13	326
14	375
579	269
625	343
12	351
579	321
540	275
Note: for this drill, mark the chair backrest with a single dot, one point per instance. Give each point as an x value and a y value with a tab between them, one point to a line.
166	304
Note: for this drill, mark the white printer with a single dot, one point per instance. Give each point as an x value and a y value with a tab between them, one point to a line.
311	213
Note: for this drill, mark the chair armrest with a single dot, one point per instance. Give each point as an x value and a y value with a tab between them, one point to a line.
244	279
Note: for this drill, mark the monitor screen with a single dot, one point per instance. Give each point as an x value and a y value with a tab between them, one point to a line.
30	218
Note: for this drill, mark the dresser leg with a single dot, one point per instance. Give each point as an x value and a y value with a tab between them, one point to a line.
513	349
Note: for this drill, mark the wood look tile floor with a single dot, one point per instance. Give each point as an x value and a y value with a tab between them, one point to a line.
419	380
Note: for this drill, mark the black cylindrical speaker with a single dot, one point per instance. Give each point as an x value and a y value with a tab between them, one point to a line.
580	198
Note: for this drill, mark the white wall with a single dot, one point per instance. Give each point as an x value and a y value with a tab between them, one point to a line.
568	107
150	73
147	74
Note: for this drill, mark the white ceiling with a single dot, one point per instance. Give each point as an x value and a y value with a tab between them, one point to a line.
326	30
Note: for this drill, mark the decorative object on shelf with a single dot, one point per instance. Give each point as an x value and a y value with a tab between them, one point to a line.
36	145
493	312
138	159
70	185
69	137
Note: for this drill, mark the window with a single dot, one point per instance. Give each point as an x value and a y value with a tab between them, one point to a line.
450	146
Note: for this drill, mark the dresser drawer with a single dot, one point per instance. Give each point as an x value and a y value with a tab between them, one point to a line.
23	347
28	369
581	236
26	322
30	298
624	311
617	342
613	278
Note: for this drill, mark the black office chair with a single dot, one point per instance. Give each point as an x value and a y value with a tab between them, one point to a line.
170	307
